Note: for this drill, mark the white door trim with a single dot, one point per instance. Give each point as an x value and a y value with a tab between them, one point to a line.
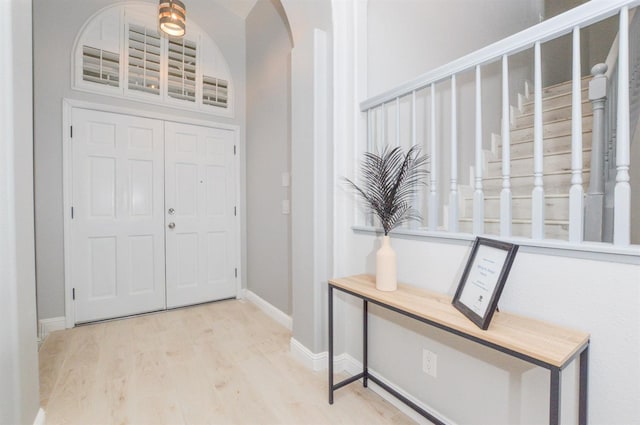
73	103
67	181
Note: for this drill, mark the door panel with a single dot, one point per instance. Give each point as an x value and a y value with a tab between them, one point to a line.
103	263
126	174
142	255
117	232
199	187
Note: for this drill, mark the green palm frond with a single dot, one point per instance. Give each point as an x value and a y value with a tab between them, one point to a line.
390	181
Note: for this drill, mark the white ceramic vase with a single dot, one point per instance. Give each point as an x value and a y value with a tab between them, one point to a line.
386	267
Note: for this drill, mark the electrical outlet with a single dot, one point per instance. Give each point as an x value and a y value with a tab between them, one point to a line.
429	363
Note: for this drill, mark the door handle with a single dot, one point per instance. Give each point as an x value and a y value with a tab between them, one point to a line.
171	225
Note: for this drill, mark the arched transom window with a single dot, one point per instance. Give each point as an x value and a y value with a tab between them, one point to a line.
120	52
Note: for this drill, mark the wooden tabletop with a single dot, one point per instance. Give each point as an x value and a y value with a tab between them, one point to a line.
551	344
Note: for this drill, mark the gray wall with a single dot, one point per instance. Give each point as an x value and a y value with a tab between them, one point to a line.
268	154
19	398
311	159
635	183
56	24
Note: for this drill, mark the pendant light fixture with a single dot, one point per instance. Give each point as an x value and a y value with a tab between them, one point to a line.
172	17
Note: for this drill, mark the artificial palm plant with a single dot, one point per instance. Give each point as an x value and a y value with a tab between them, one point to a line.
390	180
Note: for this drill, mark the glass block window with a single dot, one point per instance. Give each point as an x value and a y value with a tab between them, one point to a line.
120	52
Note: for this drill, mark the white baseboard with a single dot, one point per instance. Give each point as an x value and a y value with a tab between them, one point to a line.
40	418
347	364
46	326
313	361
268	309
353	366
317	361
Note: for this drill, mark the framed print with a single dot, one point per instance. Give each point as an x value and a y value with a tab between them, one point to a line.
483	279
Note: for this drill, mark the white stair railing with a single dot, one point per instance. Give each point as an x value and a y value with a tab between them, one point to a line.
537	195
622	191
506	220
573	22
478	194
453	195
434	197
576	193
601	201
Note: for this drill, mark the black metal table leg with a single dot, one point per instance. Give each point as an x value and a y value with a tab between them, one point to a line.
330	344
554	401
554	371
584	385
365	344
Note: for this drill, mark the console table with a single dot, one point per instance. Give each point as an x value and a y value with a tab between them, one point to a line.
549	346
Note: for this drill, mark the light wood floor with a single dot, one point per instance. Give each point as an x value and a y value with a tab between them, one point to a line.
220	363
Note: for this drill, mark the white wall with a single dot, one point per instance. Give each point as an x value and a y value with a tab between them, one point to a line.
407	38
598	297
268	154
410	37
475	384
19	398
56	25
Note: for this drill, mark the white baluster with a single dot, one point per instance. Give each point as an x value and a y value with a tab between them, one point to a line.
414	125
417	200
370	130
505	194
370	148
434	198
609	107
453	195
397	121
478	195
576	193
383	131
537	196
622	194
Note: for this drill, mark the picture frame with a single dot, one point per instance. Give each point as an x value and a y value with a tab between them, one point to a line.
483	279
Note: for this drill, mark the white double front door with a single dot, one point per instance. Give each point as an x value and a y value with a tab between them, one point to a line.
153	215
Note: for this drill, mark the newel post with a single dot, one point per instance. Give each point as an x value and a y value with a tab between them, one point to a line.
594	203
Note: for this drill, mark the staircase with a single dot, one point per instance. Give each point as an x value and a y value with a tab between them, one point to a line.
557	166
